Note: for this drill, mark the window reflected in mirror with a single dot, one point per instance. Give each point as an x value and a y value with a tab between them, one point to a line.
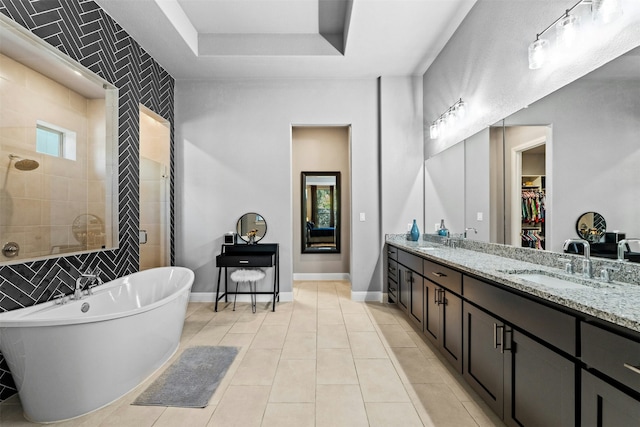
58	152
320	212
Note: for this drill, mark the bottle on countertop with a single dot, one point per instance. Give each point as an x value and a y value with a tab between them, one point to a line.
415	232
443	231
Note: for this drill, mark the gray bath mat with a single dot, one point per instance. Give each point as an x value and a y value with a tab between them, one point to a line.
191	380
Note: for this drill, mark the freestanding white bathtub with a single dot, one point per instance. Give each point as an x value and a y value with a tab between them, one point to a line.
66	362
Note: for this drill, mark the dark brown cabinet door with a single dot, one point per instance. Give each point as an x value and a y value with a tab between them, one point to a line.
417	299
431	311
404	287
451	307
484	358
539	385
606	406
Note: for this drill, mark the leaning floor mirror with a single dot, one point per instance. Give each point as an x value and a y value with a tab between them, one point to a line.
320	212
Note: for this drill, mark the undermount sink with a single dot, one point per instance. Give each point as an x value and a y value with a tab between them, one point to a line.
426	248
548	279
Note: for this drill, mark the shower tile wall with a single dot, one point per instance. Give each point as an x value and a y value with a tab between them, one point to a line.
82	30
38	207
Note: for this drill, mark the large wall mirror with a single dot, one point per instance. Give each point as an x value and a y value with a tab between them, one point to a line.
589	130
320	212
58	152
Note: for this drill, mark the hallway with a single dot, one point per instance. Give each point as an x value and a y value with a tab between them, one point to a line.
322	360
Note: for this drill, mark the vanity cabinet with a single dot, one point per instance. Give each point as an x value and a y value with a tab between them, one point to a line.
524	380
410	296
611	377
604	405
443	310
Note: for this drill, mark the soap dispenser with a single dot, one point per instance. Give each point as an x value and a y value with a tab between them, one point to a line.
443	230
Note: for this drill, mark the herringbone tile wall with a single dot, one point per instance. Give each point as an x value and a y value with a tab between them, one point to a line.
82	30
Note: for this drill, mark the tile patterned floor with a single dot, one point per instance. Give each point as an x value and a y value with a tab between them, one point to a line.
322	360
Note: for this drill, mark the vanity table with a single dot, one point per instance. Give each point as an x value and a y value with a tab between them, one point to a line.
252	256
250	228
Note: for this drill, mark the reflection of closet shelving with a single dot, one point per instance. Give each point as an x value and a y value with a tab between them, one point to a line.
533	211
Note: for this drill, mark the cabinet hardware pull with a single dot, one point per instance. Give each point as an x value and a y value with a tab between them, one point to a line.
504	339
438	274
635	369
243	261
495	337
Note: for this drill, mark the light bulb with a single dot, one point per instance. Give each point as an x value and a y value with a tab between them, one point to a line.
461	109
538	53
433	131
567	30
605	11
451	118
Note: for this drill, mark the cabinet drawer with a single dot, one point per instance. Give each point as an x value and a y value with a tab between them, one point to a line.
612	354
392	289
392	270
443	276
553	326
392	252
412	262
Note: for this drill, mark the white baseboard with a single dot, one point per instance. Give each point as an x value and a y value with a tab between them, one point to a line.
367	296
211	297
321	276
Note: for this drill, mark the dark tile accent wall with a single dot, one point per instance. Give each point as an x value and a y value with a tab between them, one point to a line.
82	30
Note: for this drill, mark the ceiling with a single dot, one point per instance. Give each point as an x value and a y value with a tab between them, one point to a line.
225	39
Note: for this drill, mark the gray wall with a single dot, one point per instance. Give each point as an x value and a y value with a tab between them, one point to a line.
485	62
234	147
401	154
444	190
234	140
477	186
594	154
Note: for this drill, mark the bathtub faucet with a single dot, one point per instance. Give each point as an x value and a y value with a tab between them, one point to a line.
92	280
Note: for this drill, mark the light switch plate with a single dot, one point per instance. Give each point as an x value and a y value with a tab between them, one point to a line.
362	216
479	216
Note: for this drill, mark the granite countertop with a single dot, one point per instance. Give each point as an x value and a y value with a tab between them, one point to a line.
616	302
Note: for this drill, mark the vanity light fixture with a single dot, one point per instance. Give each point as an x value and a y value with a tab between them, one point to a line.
568	29
448	119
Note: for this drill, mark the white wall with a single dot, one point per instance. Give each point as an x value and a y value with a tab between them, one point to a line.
401	153
233	155
485	62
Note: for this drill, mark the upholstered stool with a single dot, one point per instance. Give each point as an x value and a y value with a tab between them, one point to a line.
251	276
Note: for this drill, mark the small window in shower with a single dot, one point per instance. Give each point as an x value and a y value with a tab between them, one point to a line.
55	141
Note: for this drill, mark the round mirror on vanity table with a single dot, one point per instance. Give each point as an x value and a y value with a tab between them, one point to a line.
251	227
591	226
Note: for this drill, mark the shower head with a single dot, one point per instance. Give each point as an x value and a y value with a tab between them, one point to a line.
24	164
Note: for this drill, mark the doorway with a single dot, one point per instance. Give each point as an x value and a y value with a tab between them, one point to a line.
321	151
530	195
155	207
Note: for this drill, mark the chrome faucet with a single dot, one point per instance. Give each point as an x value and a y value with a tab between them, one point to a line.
586	262
621	246
469	228
92	280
